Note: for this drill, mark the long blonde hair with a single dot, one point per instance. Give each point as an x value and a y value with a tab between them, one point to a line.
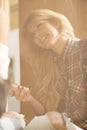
44	67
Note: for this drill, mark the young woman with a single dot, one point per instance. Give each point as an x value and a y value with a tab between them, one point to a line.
58	60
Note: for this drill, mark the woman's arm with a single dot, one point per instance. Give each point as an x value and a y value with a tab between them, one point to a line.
24	94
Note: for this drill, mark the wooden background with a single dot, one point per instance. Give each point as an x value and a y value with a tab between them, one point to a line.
14	14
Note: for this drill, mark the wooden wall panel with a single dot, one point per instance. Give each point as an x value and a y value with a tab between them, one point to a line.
14	14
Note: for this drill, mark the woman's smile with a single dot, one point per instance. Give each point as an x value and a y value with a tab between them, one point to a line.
44	35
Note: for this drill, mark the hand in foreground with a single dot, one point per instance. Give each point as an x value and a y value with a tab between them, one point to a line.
13	114
56	119
17	119
21	93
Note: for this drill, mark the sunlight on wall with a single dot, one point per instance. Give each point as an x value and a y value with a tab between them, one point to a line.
14	53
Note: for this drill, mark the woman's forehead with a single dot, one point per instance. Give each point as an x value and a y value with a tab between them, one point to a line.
32	25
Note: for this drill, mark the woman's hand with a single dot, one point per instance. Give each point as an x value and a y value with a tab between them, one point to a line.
56	119
24	94
21	93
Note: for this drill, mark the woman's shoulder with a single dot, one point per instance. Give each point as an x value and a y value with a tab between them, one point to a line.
80	44
82	41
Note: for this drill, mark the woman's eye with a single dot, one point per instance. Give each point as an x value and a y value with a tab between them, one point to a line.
38	25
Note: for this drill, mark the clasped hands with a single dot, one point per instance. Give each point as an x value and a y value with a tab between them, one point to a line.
24	94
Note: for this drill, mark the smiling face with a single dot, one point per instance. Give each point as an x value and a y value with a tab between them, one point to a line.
43	34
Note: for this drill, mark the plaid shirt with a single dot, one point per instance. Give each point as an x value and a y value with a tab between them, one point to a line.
74	81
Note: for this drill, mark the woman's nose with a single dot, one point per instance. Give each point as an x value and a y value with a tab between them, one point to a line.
38	36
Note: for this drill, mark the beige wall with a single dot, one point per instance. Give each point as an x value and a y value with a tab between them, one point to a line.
14	14
76	12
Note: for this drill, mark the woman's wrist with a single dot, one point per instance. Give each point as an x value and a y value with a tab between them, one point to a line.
30	98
